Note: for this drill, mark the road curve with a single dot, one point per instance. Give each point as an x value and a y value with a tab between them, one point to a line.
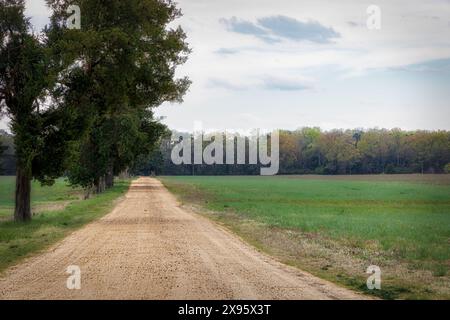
150	248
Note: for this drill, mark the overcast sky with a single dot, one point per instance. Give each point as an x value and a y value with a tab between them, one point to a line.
294	63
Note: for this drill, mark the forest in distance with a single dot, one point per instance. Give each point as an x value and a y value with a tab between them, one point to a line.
315	151
309	151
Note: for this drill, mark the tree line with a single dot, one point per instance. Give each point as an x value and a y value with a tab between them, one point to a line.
315	151
80	101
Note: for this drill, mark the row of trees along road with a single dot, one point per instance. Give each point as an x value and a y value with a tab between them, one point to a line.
80	101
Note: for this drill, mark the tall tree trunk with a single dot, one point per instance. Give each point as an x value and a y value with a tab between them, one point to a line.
100	185
109	178
103	184
87	192
22	210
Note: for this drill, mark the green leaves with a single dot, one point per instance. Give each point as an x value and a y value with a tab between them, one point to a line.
24	78
125	57
82	99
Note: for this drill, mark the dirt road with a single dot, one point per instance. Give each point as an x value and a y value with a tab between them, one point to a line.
150	248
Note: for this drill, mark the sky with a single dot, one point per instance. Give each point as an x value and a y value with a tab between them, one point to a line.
292	63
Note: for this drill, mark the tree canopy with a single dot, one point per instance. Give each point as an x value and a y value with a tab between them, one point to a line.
81	100
125	61
26	75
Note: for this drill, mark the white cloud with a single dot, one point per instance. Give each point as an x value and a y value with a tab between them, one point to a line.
232	72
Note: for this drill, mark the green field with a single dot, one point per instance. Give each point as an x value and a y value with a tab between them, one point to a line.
58	211
42	198
335	227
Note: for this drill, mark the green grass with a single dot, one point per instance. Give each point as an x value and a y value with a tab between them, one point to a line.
18	241
404	222
60	192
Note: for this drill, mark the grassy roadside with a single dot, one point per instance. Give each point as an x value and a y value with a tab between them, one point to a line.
18	241
42	198
335	228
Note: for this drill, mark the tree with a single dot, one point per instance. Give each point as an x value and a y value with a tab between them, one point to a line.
22	79
447	168
25	74
339	151
43	130
121	139
126	57
310	156
290	151
439	151
152	160
375	147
